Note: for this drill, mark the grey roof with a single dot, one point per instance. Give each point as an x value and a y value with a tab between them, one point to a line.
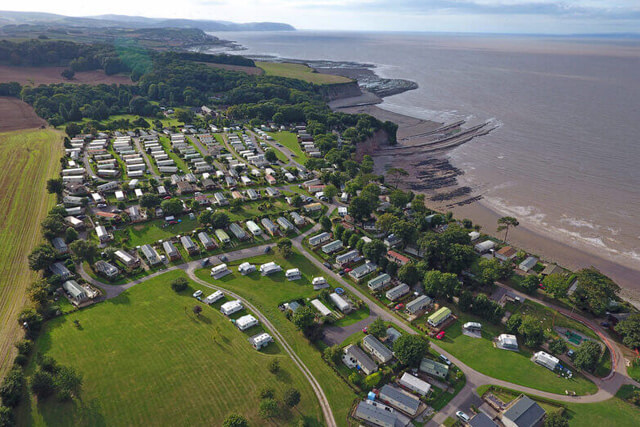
237	230
205	239
481	420
393	395
369	412
170	248
418	302
188	243
362	357
60	269
524	412
363	270
432	367
378	346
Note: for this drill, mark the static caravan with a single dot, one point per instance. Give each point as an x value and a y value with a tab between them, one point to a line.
206	241
253	228
220	271
340	303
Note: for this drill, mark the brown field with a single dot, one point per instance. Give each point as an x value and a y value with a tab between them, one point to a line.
16	115
47	75
244	69
27	159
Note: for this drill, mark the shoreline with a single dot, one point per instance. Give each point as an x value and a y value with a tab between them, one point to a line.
473	207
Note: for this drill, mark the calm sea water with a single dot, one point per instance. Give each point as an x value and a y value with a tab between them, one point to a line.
565	159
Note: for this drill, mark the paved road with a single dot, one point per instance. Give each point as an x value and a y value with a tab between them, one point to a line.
145	156
337	334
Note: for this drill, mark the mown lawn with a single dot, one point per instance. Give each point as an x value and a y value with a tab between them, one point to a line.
300	72
515	367
152	231
290	140
146	359
28	159
267	294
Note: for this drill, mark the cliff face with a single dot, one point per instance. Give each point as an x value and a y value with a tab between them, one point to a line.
372	145
342	90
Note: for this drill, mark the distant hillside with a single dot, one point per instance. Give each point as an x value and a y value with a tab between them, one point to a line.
105	21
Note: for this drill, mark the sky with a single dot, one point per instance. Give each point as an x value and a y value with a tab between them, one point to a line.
493	16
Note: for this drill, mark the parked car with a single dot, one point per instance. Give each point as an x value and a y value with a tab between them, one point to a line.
204	262
464	417
197	293
341	273
365	330
267	249
166	197
444	358
326	264
440	335
399	306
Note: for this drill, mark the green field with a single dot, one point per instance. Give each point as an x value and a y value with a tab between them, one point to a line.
612	412
28	158
166	121
147	359
290	140
300	72
152	231
266	294
166	144
515	367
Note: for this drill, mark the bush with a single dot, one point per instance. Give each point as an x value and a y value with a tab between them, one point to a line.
6	417
42	384
179	284
11	388
274	366
558	346
20	360
373	380
235	420
269	408
24	346
267	393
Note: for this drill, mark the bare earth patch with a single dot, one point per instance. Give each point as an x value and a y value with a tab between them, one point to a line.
16	115
47	75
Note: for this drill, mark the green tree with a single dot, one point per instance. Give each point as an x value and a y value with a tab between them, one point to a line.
558	346
505	223
296	201
410	349
377	328
38	292
32	319
513	324
595	291
55	186
360	208
629	329
556	419
325	223
291	397
270	156
150	200
374	250
41	257
274	366
587	355
556	285
373	380
172	207
179	284
409	274
235	420
285	248
404	230
531	330
333	354
353	240
303	318
441	285
84	250
269	408
385	222
11	388
330	191
530	283
42	384
70	235
6	417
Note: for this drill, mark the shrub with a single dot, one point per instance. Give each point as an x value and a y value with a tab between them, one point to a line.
24	346
235	420
11	388
179	284
267	393
42	384
274	366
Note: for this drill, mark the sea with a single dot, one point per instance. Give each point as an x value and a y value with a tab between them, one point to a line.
565	159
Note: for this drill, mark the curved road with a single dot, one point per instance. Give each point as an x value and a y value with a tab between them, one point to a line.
607	387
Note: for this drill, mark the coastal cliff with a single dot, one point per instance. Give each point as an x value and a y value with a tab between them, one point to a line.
341	91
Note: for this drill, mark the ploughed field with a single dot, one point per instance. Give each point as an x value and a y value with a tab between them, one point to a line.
147	359
27	159
16	115
46	75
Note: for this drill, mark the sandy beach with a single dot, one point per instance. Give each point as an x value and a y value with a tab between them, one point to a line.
467	204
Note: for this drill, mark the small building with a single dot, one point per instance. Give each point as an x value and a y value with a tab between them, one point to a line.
481	420
245	322
246	268
269	226
102	233
545	359
362	270
472	326
439	317
397	291
106	269
354	357
220	271
397	257
507	342
485	246
392	240
415	384
298	220
222	236
393	334
126	259
379	282
171	250
421	303
552	269
347	257
60	245
331	247
528	264
340	302
318	305
76	293
238	231
61	270
433	368
216	296
230	307
285	224
395	397
378	350
293	274
150	254
474	235
260	341
206	241
319	283
523	412
312	207
319	238
253	228
506	253
376	414
269	268
189	245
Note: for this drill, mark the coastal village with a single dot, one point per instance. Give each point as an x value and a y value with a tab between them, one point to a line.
319	278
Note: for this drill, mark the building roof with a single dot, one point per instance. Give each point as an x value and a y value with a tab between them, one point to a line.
507	251
552	269
361	357
481	420
431	366
392	394
370	412
440	315
419	302
378	346
415	382
396	255
524	412
363	270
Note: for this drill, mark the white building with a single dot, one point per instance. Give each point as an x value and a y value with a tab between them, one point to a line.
246	268
261	340
220	271
342	305
545	359
230	307
508	342
319	283
415	384
246	322
293	274
318	305
216	296
269	268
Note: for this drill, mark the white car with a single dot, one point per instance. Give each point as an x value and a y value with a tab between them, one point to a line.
197	293
445	359
464	417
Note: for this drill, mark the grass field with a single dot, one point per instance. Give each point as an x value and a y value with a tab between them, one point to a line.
290	140
147	359
515	367
28	158
152	231
613	412
267	294
300	72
